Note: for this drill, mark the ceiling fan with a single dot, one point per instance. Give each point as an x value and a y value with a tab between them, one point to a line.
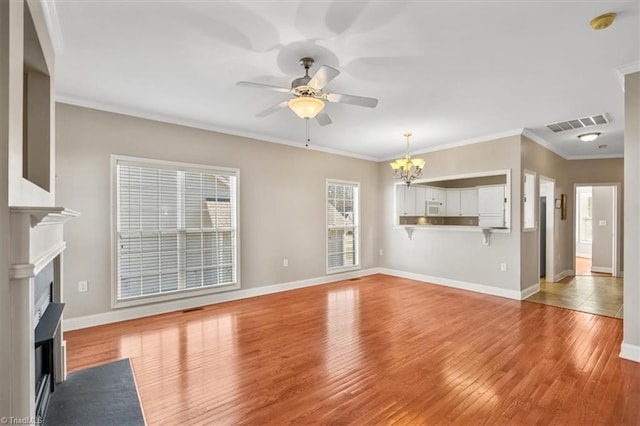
308	95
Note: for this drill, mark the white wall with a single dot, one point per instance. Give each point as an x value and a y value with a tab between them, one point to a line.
631	332
282	198
602	211
456	255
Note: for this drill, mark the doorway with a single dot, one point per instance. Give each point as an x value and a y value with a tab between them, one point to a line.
595	233
546	234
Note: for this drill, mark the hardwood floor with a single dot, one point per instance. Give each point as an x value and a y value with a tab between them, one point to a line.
374	350
595	294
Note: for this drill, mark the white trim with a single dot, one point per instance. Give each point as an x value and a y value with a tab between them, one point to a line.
53	25
535	196
562	275
543	143
202	126
177	305
550	229
356	227
461	285
45	258
601	269
22	271
630	352
594	157
529	291
464	142
629	68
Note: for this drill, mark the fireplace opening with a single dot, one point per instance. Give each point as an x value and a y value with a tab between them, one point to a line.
47	319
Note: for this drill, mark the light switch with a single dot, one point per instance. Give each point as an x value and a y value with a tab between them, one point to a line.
602	223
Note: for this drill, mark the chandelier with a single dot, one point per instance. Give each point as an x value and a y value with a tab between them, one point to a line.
407	168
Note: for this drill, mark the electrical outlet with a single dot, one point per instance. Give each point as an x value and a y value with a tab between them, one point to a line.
380	252
285	263
503	267
83	286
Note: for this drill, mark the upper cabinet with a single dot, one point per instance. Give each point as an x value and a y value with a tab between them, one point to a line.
459	201
410	200
469	202
462	202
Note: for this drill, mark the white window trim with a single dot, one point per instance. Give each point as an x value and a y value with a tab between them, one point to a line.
357	266
534	201
145	300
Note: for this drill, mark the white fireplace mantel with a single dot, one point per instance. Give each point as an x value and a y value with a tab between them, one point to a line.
45	215
36	235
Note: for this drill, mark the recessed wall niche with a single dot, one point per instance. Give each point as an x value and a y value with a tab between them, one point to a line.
36	142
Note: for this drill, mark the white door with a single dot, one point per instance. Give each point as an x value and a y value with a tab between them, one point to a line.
469	202
453	202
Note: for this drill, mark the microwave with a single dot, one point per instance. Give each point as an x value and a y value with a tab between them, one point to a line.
434	208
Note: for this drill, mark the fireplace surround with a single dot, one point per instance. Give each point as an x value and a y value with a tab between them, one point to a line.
37	246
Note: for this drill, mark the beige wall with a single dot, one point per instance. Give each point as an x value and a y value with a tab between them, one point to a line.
455	254
282	202
543	162
602	210
566	173
631	337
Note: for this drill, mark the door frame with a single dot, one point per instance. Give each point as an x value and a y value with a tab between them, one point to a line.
615	240
550	231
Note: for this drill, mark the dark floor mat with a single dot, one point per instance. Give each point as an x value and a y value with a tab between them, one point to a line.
102	395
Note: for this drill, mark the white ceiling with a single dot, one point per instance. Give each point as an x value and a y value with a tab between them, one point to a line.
450	72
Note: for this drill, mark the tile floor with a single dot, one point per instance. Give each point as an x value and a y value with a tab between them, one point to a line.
601	295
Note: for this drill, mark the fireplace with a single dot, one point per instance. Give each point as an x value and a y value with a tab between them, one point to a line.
47	314
38	353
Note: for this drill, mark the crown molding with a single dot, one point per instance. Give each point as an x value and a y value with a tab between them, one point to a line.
543	143
70	100
629	68
594	157
53	25
471	141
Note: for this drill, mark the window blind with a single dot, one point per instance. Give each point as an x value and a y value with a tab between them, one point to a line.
342	225
176	229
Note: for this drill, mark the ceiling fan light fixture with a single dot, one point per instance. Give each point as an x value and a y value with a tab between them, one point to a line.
589	137
306	106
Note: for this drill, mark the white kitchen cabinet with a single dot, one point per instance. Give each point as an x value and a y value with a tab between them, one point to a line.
420	198
400	190
469	202
462	202
453	202
410	200
491	206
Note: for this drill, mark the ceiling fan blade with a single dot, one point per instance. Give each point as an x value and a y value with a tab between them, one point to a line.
324	75
351	99
323	119
263	86
273	109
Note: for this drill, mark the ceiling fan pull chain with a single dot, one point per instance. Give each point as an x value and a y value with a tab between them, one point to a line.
308	132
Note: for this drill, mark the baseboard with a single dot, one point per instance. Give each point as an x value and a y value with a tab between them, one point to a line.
630	352
601	269
462	285
529	291
125	314
557	277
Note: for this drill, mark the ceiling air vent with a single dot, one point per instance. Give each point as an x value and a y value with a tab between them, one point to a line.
579	123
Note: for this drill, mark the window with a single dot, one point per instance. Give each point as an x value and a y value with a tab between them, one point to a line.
343	241
529	201
176	230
